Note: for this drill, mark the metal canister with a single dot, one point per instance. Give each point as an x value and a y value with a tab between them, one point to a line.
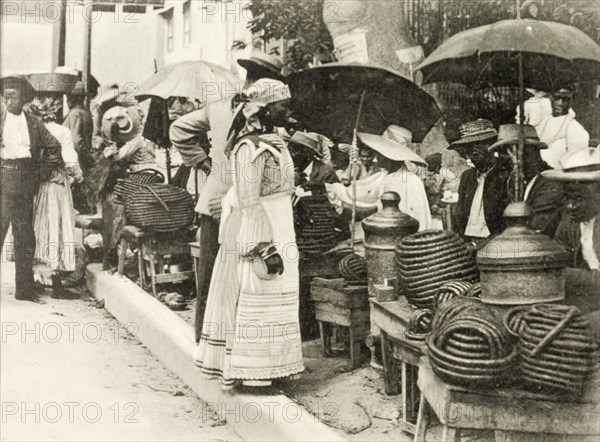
521	266
383	230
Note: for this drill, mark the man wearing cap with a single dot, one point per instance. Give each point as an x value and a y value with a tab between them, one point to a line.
79	122
579	228
545	197
215	119
482	194
307	152
28	151
560	131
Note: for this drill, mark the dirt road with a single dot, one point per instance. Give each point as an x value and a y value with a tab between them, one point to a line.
69	371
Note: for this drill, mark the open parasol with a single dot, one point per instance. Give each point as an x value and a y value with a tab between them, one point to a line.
523	53
327	98
203	81
200	80
339	100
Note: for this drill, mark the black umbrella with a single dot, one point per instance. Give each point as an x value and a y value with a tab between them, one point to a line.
326	99
523	53
339	100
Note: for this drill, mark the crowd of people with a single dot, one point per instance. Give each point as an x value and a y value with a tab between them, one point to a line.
257	163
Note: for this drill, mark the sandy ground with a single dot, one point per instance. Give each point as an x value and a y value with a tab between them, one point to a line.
69	371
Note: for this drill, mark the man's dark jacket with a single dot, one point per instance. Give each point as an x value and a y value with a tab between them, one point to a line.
44	148
79	122
546	200
495	199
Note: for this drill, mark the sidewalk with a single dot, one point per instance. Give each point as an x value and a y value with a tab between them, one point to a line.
272	417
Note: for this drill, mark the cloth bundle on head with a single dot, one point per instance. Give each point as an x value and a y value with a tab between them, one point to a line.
263	92
46	108
258	95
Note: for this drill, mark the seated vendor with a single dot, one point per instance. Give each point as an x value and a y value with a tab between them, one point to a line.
579	228
545	197
482	194
398	174
366	166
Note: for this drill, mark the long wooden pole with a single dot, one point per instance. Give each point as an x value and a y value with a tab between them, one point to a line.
87	47
354	167
62	33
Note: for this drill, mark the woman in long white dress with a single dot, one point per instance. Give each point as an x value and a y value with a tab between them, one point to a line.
54	216
251	332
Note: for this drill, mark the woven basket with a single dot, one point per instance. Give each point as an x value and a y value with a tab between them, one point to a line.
427	260
469	346
133	182
556	356
159	208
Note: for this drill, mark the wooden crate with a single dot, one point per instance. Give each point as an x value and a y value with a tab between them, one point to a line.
343	304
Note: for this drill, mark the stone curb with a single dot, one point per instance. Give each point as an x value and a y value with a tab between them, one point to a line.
171	340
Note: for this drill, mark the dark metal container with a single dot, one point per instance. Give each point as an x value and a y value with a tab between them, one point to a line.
521	266
383	230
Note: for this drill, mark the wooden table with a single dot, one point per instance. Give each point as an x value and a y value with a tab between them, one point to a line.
513	414
399	352
339	303
152	248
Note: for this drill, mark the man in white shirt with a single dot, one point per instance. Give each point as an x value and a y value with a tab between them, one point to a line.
560	131
579	228
28	151
482	193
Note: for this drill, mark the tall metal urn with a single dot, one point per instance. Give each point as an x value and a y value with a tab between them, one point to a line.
383	230
521	266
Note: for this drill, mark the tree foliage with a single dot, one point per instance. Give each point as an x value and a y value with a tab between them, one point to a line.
299	23
433	21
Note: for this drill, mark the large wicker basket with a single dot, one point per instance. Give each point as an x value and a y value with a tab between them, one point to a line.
159	208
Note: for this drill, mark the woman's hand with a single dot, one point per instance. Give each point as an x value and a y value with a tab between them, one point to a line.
205	166
110	151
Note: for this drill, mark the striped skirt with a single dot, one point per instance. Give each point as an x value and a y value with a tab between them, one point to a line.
54	226
251	330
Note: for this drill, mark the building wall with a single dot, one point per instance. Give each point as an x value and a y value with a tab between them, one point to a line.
120	49
215	25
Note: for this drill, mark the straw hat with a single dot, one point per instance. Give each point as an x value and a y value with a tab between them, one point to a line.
581	165
474	131
20	83
392	144
264	65
509	134
309	140
126	118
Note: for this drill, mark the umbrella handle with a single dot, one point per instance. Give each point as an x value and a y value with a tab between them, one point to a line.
353	177
353	168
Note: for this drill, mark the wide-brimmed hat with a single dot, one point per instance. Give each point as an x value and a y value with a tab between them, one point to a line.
581	165
508	134
126	118
474	131
309	140
263	65
398	134
390	148
21	83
